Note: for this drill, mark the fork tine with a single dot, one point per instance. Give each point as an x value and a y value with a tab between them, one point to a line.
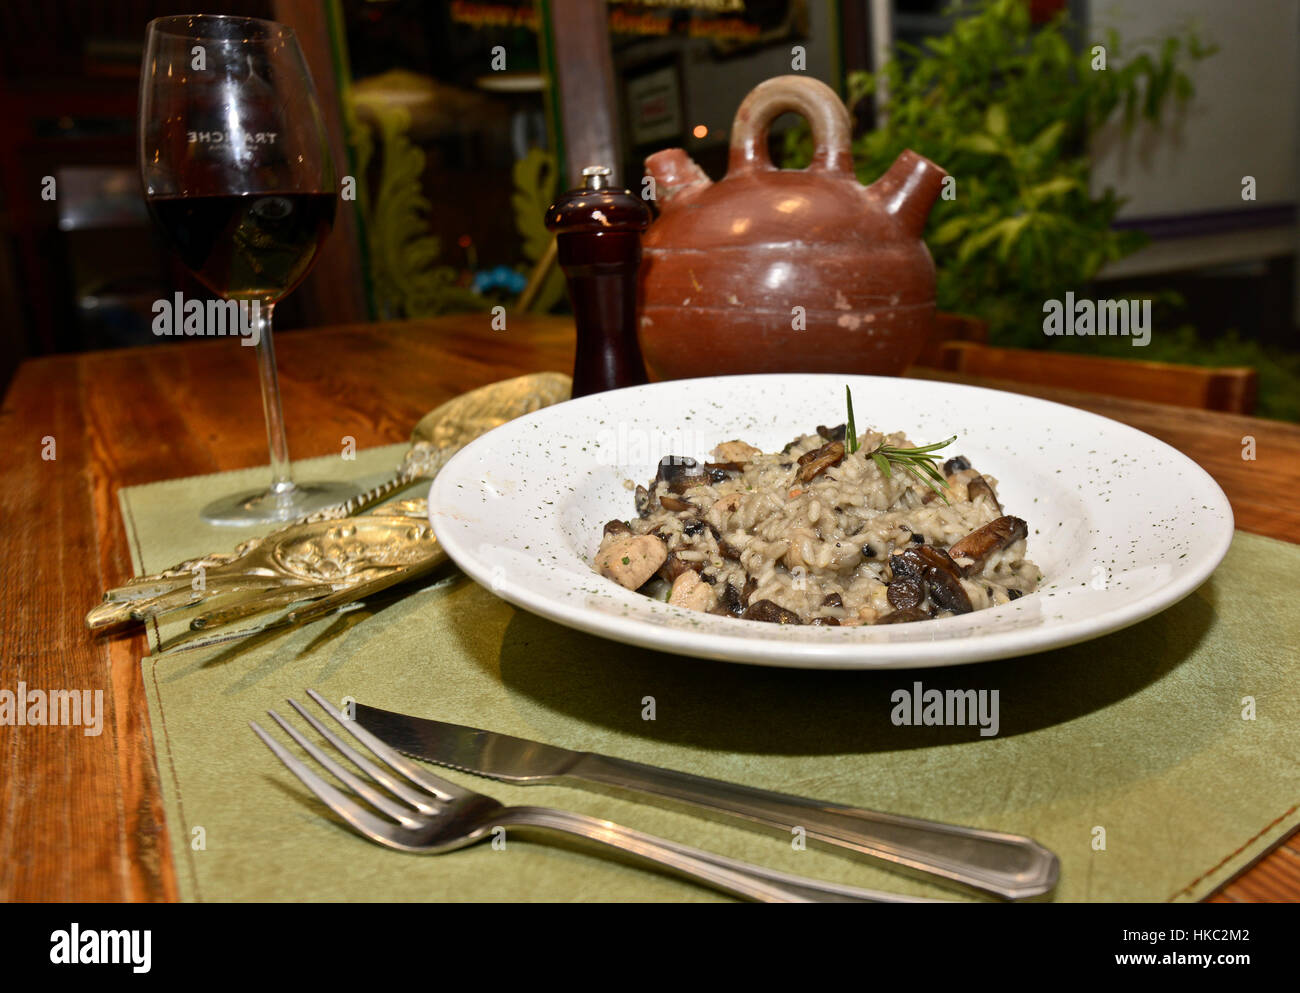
371	826
420	801
362	789
417	774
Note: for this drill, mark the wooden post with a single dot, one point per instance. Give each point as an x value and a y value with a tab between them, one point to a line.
334	292
588	100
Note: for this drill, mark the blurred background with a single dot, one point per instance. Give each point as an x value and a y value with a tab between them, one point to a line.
1169	172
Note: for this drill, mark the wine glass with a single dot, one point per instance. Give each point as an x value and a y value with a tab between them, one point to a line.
237	172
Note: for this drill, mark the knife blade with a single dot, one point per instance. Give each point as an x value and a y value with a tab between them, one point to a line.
1009	866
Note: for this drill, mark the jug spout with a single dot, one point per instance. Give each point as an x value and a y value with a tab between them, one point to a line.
909	189
677	178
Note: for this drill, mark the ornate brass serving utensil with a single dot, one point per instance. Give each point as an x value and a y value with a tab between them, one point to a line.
445	430
335	555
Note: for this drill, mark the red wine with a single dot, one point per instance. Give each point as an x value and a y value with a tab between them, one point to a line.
253	247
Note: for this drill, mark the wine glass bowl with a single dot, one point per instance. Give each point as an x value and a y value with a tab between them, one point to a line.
237	172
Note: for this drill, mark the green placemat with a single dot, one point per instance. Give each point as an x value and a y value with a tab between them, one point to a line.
1136	740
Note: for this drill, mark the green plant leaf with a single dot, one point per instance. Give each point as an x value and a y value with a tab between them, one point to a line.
1047	139
951	230
995	121
1010	230
535	178
1009	107
978	241
981	144
1055	187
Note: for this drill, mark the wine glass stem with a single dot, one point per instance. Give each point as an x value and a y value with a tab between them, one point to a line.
281	470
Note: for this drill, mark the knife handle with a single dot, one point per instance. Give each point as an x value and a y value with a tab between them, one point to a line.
1010	866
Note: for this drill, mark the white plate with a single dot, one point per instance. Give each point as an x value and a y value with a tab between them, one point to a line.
1121	525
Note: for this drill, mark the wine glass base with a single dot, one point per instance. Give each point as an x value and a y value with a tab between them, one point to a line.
269	507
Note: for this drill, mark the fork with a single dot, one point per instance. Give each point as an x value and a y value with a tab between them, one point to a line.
431	815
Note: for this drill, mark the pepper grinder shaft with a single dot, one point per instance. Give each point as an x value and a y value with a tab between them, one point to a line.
598	241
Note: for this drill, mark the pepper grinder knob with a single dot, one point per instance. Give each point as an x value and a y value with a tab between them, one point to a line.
598	242
595	177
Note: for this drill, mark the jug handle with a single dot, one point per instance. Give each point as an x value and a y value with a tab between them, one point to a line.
811	98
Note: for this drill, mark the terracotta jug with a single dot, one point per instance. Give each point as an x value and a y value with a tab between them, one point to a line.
778	270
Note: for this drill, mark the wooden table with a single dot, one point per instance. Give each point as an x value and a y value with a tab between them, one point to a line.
81	817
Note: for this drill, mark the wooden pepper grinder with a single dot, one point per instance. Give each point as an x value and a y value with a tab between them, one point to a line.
598	240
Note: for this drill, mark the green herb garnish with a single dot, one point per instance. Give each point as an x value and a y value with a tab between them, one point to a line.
918	462
851	439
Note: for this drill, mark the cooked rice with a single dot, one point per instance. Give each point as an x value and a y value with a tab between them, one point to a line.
796	544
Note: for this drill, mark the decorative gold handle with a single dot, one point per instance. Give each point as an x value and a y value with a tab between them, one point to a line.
333	554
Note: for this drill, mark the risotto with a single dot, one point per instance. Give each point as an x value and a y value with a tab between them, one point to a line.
819	534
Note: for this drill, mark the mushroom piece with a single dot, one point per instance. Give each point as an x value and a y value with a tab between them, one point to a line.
630	560
617	527
772	613
904	594
727	550
964	485
720	472
913	561
729	601
675	504
814	463
983	542
956	464
642	500
691	592
680	473
674	566
904	616
939	573
836	433
979	487
946	591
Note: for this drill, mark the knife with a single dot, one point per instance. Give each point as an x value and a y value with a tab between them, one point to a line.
1004	865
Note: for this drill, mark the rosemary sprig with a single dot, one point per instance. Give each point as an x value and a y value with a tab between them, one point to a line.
851	438
918	462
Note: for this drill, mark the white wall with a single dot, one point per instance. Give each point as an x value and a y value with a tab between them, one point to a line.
1241	122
